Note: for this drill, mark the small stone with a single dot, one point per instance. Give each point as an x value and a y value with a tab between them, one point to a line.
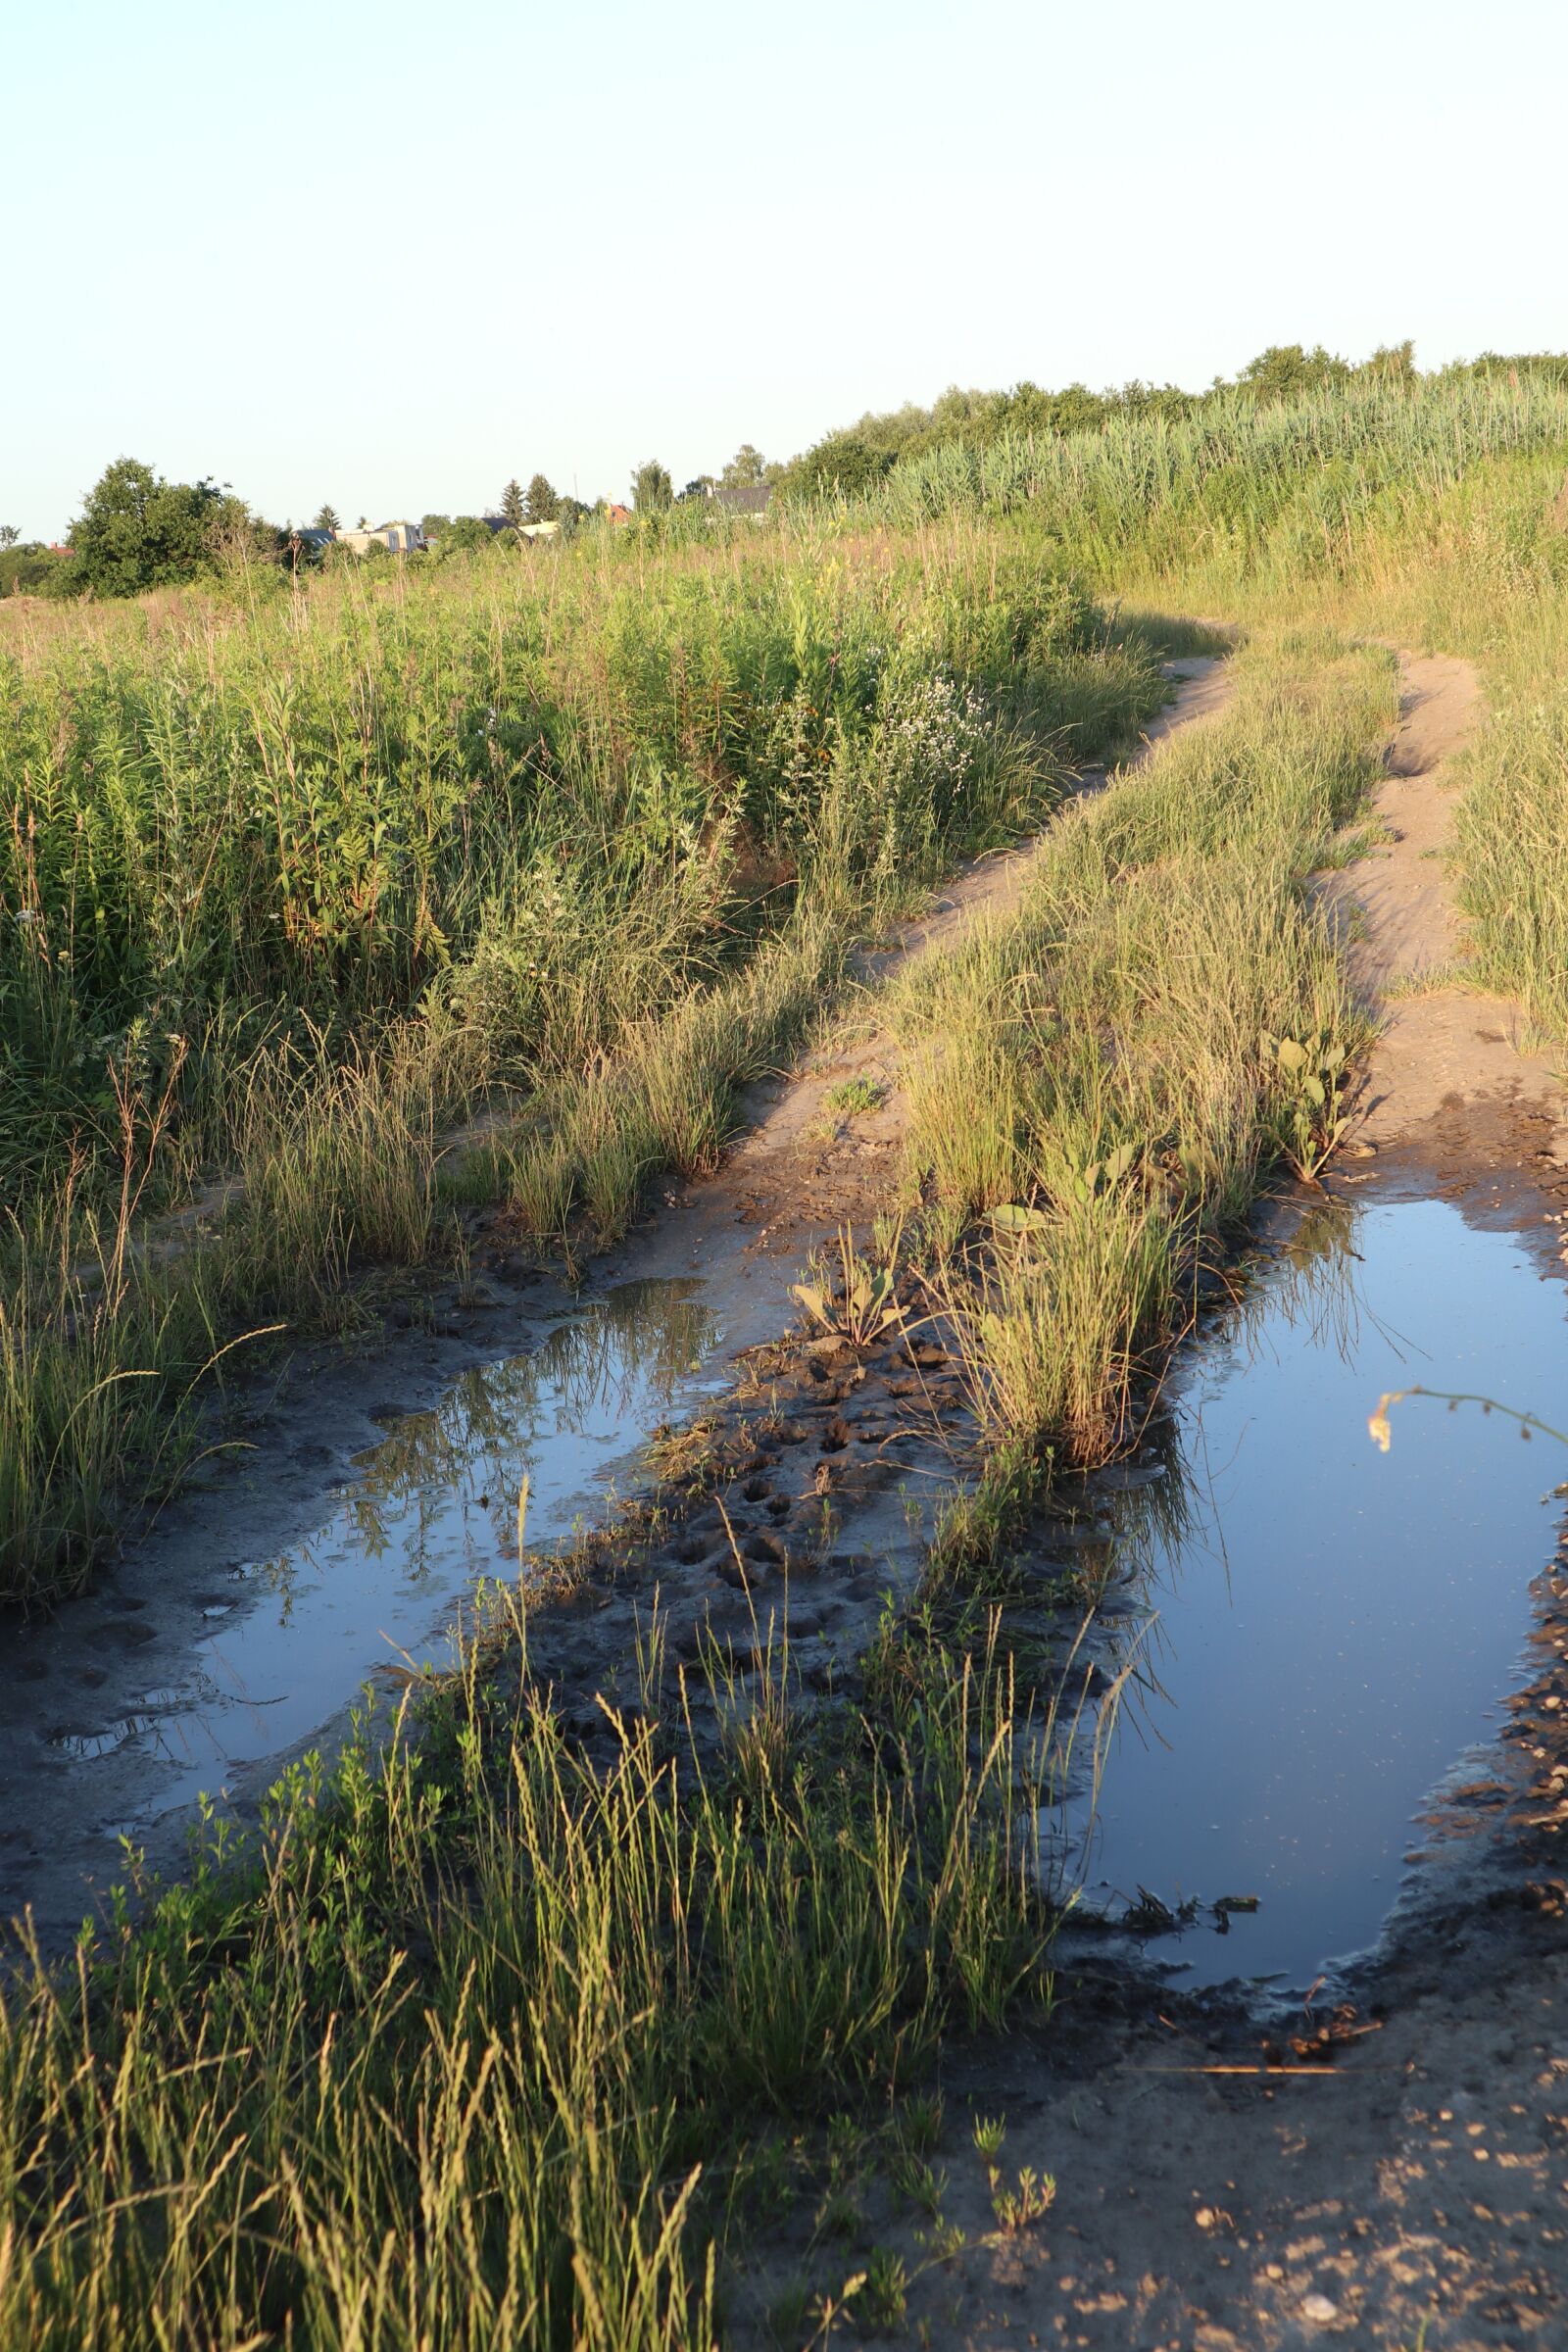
1204	2217
1319	2310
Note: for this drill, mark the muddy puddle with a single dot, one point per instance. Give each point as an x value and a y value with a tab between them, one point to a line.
1315	1633
278	1645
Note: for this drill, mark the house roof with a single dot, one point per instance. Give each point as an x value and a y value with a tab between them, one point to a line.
752	500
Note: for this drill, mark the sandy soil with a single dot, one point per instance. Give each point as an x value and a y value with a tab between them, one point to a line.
1397	2187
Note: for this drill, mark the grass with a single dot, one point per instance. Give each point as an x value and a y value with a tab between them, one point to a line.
295	892
1100	1081
460	2055
472	2045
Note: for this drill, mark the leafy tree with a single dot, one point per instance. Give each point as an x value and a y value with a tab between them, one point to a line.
29	568
844	463
1286	370
651	488
9	534
467	531
1392	362
745	469
514	505
542	502
137	531
327	520
700	485
435	526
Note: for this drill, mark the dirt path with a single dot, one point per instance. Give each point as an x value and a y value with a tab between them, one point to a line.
1444	1054
1415	2192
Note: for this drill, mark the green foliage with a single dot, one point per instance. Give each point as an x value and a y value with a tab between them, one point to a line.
513	506
594	833
467	532
651	488
1091	1079
137	531
541	503
458	2052
327	520
29	568
745	469
435	526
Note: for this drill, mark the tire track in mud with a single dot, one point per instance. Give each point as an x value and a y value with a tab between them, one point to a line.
800	1473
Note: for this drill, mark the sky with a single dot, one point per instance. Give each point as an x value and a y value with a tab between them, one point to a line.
390	255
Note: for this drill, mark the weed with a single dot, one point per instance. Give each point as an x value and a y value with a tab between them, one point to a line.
1032	2196
881	2302
852	1098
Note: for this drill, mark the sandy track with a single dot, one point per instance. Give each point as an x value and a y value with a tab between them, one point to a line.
1443	1050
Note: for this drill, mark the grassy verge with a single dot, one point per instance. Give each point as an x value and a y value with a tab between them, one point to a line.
694	781
1101	1082
475	2050
484	2044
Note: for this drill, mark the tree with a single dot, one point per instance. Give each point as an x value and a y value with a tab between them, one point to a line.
542	502
745	469
435	526
842	466
1286	370
514	505
137	531
327	520
9	534
467	531
700	485
651	488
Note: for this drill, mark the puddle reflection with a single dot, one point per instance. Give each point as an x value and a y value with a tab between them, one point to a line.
1320	1629
431	1511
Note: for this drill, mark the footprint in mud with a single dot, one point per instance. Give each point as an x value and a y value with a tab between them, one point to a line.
122	1633
835	1436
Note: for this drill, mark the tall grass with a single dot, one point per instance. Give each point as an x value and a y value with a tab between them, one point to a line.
470	2052
290	889
1282	491
1099	1078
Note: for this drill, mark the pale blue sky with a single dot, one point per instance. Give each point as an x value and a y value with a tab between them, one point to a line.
389	254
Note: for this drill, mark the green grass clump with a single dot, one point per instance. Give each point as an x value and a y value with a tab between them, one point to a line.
1100	1077
462	2054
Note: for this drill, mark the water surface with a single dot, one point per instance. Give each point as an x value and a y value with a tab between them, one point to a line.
1325	1629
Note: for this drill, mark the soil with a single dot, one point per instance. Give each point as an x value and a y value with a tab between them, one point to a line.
1393	2174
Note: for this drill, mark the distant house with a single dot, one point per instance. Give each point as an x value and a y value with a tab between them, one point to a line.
751	501
538	530
310	540
402	538
614	513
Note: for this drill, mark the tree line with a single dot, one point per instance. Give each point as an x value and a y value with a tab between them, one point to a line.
137	531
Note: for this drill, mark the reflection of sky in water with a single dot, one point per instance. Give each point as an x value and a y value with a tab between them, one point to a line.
1332	1624
429	1512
